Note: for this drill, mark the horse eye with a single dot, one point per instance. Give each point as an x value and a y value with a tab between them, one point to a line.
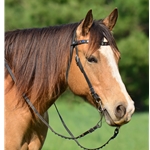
92	59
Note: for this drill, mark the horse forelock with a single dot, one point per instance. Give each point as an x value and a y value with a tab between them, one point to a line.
97	33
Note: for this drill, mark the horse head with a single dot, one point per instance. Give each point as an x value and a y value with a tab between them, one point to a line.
99	58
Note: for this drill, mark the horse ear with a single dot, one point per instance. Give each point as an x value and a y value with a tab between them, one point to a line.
111	20
85	25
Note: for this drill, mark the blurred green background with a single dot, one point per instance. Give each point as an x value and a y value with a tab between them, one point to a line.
131	33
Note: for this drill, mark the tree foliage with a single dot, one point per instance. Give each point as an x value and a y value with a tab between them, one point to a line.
131	31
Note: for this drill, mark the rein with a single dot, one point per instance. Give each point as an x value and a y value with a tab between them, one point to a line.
98	125
93	93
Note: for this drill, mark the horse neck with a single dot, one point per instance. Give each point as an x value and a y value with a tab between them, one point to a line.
57	84
42	75
58	80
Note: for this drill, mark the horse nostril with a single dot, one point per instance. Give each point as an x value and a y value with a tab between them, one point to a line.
120	111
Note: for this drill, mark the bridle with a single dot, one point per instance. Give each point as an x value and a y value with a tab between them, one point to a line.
74	44
95	96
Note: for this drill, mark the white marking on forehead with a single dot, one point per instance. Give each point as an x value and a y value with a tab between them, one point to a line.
107	52
105	40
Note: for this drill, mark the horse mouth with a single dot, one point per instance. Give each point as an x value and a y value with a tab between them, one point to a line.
108	118
112	122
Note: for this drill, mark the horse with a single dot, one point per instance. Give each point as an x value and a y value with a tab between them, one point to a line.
44	67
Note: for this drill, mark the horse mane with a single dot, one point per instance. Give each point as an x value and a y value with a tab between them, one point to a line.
38	57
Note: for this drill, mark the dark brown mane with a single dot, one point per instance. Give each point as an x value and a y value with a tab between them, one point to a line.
36	56
39	56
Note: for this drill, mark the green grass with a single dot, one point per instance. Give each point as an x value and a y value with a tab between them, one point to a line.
79	117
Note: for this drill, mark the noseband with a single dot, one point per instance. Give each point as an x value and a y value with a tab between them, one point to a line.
93	93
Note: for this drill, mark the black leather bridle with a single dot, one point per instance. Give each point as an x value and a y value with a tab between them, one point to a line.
93	93
74	44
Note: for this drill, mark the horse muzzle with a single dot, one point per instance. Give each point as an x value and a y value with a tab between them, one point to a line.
120	115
